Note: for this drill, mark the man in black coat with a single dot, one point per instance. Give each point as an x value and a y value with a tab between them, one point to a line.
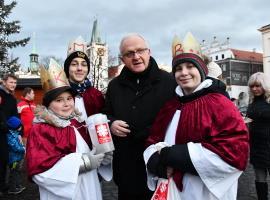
132	101
8	108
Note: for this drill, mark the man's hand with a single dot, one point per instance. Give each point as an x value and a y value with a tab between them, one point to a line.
120	128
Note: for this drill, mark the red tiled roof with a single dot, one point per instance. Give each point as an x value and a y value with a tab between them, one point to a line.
247	55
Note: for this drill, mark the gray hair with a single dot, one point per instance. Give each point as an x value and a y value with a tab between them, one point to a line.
129	35
262	79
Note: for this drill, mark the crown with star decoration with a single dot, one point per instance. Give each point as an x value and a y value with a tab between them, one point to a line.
78	44
189	45
188	51
53	77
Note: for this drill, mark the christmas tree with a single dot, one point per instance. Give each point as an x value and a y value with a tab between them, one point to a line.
8	64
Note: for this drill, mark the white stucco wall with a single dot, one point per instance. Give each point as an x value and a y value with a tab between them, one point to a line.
266	50
234	90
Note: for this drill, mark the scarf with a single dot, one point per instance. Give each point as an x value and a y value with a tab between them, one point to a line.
44	115
81	87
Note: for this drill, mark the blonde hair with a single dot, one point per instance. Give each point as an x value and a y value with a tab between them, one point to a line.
264	81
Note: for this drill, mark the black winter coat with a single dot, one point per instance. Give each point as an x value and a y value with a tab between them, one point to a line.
259	112
135	99
8	104
8	108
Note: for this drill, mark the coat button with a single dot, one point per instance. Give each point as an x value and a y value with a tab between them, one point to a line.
133	107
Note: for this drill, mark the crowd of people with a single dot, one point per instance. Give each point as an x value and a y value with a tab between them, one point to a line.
180	126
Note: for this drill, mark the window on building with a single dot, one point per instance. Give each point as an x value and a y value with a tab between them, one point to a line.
223	67
222	56
216	57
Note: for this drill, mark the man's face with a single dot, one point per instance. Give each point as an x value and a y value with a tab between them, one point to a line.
135	54
10	84
78	70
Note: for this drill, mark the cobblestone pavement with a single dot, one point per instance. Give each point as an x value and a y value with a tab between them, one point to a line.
246	185
246	189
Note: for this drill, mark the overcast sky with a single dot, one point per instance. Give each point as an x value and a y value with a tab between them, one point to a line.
57	22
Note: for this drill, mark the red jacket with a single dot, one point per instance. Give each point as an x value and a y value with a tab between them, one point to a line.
26	111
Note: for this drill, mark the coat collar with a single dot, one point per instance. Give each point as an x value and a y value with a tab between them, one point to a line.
5	90
151	73
26	100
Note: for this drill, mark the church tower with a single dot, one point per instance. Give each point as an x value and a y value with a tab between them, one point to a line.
97	51
34	66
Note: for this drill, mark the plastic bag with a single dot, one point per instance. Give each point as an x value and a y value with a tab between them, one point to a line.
166	190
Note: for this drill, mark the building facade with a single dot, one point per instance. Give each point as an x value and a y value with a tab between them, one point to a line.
31	78
265	30
237	65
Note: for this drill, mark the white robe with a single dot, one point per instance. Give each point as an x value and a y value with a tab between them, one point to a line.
217	179
79	104
63	181
104	170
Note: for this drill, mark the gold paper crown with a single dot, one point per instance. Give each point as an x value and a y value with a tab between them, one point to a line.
189	45
77	45
53	77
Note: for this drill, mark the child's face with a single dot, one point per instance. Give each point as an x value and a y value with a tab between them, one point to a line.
187	77
63	105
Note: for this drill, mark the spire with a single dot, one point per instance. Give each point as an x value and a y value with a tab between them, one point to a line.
95	38
34	50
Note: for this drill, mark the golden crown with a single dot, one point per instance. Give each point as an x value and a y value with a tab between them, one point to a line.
189	45
53	77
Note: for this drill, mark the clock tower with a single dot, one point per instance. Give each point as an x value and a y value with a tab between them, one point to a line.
97	51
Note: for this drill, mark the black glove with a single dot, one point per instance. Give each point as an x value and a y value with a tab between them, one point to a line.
177	157
155	167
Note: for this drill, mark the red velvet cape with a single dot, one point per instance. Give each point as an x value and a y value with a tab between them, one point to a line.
47	144
211	120
93	101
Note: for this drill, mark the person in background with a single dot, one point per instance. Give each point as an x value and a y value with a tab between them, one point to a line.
215	74
234	100
3	147
259	128
60	157
242	103
214	70
8	106
26	109
131	103
198	138
16	151
8	100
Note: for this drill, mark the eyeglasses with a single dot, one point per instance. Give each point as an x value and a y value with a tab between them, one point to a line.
131	54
